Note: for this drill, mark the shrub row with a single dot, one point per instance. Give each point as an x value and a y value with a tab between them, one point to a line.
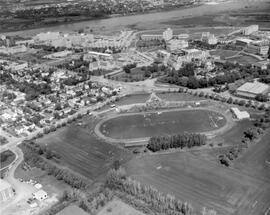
188	140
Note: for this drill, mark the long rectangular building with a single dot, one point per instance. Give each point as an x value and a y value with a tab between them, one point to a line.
251	90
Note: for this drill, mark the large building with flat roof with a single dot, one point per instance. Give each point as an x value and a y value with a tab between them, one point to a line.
6	191
252	89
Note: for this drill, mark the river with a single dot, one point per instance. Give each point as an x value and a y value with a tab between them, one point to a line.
144	21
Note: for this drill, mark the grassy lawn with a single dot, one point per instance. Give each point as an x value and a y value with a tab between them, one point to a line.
49	183
136	74
7	157
244	59
81	151
202	183
168	122
72	210
223	53
117	207
132	99
178	97
254	159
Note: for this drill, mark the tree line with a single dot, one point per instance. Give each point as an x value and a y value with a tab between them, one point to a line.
228	73
32	156
158	202
184	140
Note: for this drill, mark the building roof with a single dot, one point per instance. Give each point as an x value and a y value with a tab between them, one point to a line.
40	193
4	185
245	40
253	87
240	114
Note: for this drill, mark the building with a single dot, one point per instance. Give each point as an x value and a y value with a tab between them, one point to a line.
149	37
13	49
240	114
18	66
252	89
183	36
6	191
250	29
97	55
41	37
173	45
209	38
258	49
167	34
243	41
40	195
58	54
261	64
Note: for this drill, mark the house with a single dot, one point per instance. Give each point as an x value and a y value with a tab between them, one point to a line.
40	195
19	130
240	114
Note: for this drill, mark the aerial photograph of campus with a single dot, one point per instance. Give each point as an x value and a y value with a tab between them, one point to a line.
135	107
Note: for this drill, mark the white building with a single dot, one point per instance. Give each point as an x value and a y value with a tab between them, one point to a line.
251	90
47	36
167	34
209	38
173	45
58	54
18	66
240	114
13	49
40	195
6	191
250	29
149	37
183	36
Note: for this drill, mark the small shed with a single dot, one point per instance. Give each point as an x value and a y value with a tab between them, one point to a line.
240	114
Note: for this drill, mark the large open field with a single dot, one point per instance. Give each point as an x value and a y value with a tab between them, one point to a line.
178	97
254	161
83	152
168	122
243	59
117	207
223	53
203	183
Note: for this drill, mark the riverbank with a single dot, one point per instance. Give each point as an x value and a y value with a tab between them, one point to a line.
203	15
24	24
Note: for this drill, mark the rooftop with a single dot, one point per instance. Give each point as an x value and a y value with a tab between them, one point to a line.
4	185
254	87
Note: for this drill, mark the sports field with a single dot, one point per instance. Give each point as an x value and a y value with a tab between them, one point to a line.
244	59
83	152
223	53
203	183
142	125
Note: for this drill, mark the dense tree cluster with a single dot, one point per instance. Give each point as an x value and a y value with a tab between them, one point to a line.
262	97
160	203
198	44
5	155
32	156
31	90
176	141
228	73
128	67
